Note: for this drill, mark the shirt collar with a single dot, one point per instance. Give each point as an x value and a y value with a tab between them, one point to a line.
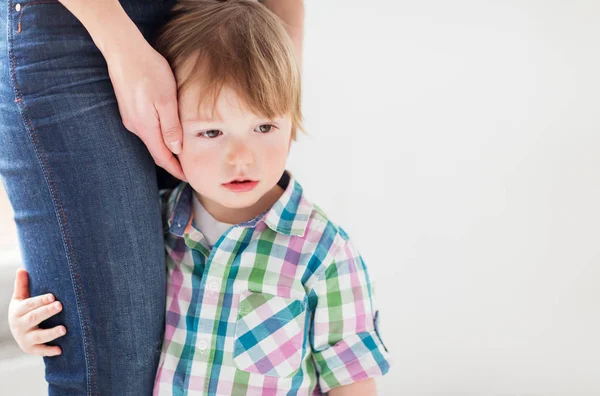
289	215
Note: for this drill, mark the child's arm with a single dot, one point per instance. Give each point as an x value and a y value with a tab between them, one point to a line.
347	348
365	387
26	313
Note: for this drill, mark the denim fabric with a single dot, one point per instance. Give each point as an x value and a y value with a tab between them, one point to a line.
85	196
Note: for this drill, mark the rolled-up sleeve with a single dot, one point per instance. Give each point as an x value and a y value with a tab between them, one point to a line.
345	337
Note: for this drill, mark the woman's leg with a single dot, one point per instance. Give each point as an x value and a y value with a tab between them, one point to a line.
84	193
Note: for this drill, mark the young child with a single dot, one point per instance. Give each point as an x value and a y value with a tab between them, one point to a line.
266	295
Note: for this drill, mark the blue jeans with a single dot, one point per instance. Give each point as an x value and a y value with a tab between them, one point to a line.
85	196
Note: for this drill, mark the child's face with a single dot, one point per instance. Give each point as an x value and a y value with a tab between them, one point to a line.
240	144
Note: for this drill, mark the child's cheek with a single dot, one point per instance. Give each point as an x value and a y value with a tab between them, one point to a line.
198	158
276	151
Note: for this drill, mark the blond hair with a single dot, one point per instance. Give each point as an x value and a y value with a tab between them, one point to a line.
238	43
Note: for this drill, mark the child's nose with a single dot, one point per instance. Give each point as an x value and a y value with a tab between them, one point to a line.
240	154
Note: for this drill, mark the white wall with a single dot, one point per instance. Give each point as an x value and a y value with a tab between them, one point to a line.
459	144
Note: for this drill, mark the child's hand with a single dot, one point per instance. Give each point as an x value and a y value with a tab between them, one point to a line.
25	314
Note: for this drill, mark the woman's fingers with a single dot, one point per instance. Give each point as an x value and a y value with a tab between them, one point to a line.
38	315
146	92
163	156
42	336
168	116
166	160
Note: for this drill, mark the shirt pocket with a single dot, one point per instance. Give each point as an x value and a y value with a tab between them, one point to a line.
269	334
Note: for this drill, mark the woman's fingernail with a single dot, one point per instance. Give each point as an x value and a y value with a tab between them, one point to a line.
175	146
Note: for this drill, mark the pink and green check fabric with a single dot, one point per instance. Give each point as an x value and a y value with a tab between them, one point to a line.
280	305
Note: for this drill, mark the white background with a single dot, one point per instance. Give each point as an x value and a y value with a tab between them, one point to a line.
458	142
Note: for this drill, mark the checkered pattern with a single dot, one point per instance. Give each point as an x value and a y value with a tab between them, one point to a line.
282	304
268	334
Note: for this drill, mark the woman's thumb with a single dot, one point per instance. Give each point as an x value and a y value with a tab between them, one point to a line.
21	291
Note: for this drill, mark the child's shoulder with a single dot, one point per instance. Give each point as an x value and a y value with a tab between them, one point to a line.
167	199
321	222
322	218
320	226
331	244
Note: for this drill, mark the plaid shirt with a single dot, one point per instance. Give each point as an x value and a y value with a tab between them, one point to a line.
281	305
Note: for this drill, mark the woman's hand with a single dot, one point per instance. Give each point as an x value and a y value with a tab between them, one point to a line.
26	313
143	81
147	95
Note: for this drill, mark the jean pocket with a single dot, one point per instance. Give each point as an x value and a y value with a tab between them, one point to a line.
269	334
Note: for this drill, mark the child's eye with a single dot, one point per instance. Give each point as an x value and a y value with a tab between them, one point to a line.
211	134
265	128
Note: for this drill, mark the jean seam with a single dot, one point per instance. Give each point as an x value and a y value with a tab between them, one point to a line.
59	210
32	3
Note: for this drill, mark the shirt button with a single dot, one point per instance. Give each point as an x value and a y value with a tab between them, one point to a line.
18	7
202	345
213	286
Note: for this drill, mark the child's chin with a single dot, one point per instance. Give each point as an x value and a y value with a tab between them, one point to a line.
235	200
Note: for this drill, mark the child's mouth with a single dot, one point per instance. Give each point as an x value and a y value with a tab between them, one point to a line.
241	185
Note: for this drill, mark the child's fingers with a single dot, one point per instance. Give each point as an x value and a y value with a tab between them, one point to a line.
42	336
33	303
45	350
21	290
38	315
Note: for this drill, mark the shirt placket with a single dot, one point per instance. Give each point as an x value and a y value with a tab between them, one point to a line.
204	312
212	287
